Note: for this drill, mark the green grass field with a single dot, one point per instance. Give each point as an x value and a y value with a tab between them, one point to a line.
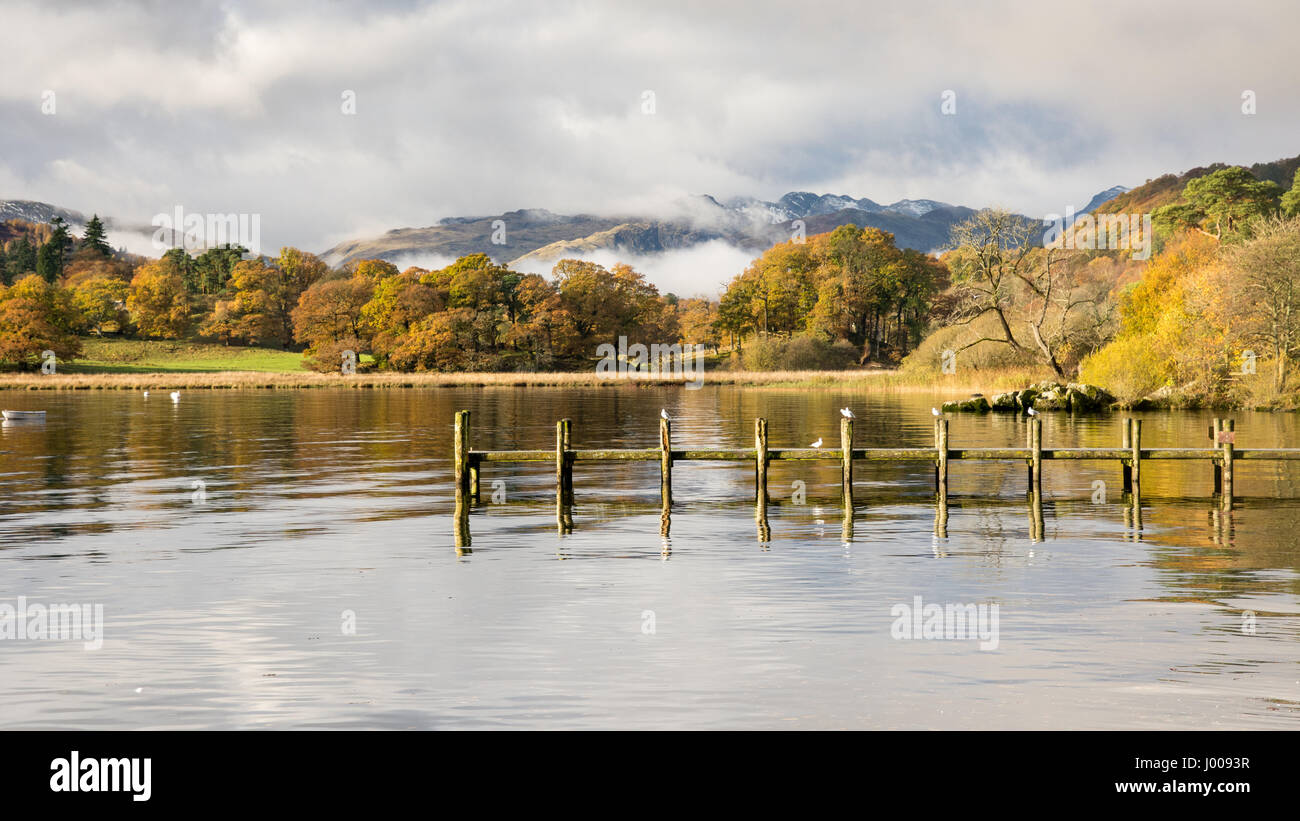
160	356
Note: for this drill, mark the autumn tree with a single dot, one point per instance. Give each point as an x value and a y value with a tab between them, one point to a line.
259	311
990	257
36	316
998	273
331	311
1268	301
86	264
157	300
602	305
397	303
374	269
102	302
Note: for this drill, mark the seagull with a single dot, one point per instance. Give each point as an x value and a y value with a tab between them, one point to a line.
935	412
663	414
1032	412
176	396
846	413
817	444
146	394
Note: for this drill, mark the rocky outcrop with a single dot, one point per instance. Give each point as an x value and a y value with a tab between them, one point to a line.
1074	397
1004	402
976	404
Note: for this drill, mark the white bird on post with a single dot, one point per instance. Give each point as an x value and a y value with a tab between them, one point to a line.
847	414
176	396
663	414
1032	412
818	443
935	412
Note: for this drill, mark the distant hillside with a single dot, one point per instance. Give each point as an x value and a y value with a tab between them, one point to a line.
525	230
136	236
926	232
1103	197
33	211
537	237
1166	189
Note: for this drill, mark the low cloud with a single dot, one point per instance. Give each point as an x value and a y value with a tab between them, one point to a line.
702	270
485	106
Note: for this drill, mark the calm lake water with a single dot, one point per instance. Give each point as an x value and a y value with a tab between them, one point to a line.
231	604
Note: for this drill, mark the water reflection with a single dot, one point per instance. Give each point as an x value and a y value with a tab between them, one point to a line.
1119	609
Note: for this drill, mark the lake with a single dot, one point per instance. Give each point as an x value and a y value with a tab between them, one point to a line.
286	559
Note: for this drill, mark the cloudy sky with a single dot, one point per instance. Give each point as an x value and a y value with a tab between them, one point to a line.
481	107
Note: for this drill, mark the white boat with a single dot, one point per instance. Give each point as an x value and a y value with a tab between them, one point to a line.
13	416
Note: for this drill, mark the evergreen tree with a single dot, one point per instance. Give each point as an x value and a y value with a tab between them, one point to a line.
21	261
47	263
214	267
1291	199
184	264
50	259
95	237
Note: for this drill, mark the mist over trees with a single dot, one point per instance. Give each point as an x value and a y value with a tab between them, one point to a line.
1213	316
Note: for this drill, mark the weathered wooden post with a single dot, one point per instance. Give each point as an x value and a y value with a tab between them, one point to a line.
563	462
760	463
1135	470
460	445
563	513
460	530
1036	515
1029	446
941	463
1035	454
665	463
1126	470
1215	430
470	461
1228	435
935	433
846	461
460	520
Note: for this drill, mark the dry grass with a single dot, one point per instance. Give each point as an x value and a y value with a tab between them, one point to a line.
970	382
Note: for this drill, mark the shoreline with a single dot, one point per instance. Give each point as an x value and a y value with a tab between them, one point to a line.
267	380
988	383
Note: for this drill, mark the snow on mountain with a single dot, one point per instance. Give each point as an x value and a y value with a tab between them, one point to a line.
1103	197
916	208
38	212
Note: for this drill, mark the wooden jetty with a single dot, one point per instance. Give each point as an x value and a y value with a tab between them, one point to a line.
1130	456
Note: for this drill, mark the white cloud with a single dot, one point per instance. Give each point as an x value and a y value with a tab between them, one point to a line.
702	270
482	107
